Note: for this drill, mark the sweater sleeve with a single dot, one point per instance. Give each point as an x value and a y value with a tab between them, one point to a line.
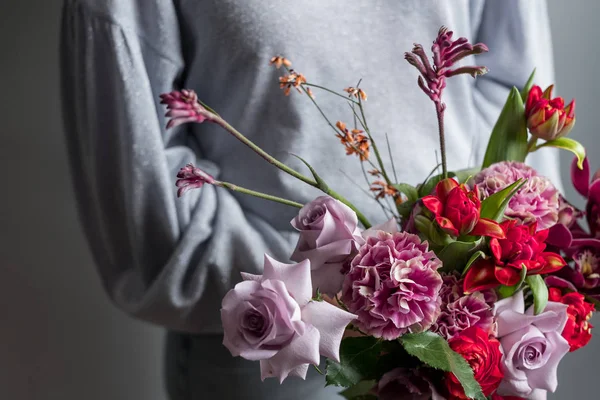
161	259
518	36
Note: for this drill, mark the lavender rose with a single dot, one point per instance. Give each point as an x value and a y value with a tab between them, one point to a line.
393	285
537	201
270	318
329	238
532	346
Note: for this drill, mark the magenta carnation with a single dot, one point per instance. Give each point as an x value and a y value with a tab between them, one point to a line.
393	285
460	311
537	201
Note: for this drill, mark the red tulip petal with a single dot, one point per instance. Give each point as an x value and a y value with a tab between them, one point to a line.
487	227
433	204
570	110
444	187
553	262
496	249
447	226
480	277
507	276
535	93
548	92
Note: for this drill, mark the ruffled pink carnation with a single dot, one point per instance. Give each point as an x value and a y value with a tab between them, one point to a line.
393	285
460	311
537	201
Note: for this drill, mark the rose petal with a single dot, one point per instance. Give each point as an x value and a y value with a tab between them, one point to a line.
331	323
546	378
295	276
328	279
302	350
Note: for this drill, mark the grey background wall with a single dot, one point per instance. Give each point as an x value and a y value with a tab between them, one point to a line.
59	336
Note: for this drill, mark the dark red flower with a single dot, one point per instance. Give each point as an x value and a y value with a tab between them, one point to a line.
521	247
457	211
578	330
483	355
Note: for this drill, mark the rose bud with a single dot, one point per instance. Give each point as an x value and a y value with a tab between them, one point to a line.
547	117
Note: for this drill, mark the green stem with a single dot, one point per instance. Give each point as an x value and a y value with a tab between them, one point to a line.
261	195
531	145
272	160
269	158
439	109
373	144
330	91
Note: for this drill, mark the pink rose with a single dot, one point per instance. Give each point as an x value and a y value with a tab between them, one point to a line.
532	347
329	238
271	318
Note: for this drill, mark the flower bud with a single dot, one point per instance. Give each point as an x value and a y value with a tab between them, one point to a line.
547	117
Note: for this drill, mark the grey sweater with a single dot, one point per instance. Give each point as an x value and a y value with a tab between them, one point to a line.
169	260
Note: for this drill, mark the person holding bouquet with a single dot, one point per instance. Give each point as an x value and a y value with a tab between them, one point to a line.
170	261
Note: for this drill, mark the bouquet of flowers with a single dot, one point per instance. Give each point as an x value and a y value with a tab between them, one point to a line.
477	285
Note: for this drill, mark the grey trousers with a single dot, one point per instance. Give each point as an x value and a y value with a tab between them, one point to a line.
199	367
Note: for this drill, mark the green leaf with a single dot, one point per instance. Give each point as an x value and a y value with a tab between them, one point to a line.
568	144
430	231
464	175
358	361
527	87
540	292
508	291
508	141
410	191
493	207
322	185
360	391
474	257
405	208
434	351
457	254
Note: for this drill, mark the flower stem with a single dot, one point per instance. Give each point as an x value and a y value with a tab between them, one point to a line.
272	160
330	91
440	108
375	149
531	145
254	193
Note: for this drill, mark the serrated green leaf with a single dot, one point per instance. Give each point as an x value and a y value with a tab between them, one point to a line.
527	87
540	292
508	291
322	185
410	191
358	361
508	141
474	257
360	391
493	207
434	351
456	254
569	144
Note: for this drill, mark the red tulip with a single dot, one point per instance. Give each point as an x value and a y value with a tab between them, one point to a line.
522	247
457	211
548	118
